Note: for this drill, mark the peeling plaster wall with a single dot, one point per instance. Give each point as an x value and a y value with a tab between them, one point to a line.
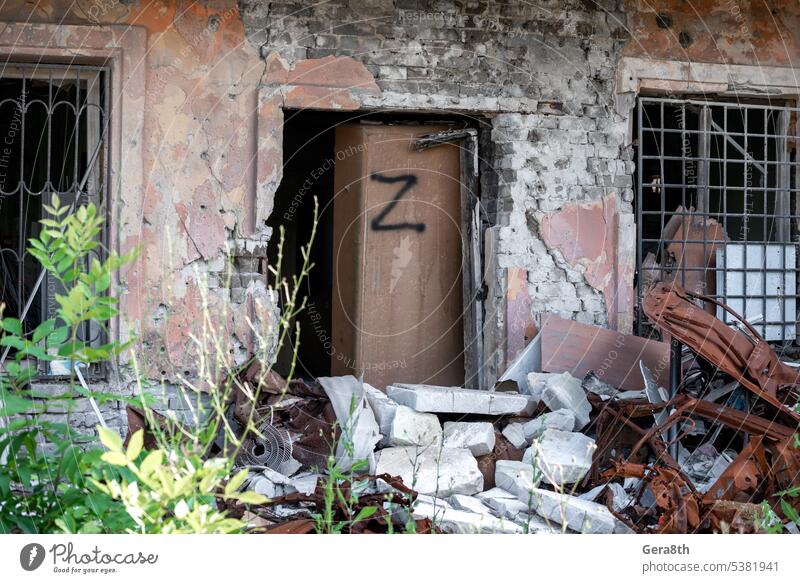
544	74
556	175
197	205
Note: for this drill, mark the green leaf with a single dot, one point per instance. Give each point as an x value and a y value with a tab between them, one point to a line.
11	404
13	342
115	458
235	482
135	445
790	512
110	439
251	497
43	330
12	326
365	513
151	462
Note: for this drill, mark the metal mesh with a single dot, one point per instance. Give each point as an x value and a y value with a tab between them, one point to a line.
716	205
271	450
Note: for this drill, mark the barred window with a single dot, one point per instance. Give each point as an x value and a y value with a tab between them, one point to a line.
52	142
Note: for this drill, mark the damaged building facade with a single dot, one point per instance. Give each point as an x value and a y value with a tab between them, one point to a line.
218	122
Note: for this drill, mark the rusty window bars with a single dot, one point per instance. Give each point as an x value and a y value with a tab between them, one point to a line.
716	206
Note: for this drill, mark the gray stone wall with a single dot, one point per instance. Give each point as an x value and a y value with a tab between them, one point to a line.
542	73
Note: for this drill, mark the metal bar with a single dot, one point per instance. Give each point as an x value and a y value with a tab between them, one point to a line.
759	274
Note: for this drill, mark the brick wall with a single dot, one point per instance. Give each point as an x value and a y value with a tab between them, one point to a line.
542	73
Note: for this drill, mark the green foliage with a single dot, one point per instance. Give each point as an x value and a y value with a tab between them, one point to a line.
43	482
172	492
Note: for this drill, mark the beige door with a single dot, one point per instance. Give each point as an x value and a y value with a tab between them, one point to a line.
397	289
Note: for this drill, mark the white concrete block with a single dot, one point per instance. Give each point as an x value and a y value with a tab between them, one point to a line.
455	521
576	514
516	477
412	428
433	399
564	457
514	433
562	419
383	408
507	506
478	437
432	470
468	503
565	392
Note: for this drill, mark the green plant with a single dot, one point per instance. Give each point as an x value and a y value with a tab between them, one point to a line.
173	492
42	482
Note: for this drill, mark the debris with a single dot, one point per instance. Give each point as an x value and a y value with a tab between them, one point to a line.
412	428
576	514
536	383
620	498
433	470
503	450
562	419
745	357
432	399
468	503
565	392
517	477
383	408
577	348
455	521
505	504
478	437
355	418
655	394
527	361
564	457
514	433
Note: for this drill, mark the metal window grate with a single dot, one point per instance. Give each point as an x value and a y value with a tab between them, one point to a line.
716	205
52	120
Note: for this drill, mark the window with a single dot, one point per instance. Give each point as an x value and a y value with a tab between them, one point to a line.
716	205
52	141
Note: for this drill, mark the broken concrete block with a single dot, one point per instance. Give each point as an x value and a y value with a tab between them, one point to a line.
478	437
504	503
562	419
516	477
432	470
579	515
537	381
468	503
412	428
433	399
514	433
355	417
383	408
455	521
564	391
400	425
564	457
621	498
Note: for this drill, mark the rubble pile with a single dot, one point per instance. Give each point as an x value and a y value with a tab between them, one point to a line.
559	454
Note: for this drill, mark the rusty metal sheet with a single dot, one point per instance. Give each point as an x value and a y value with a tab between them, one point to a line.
750	360
614	357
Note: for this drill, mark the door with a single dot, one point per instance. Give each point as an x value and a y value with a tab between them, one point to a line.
397	289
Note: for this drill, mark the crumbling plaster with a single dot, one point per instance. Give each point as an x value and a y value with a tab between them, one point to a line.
217	75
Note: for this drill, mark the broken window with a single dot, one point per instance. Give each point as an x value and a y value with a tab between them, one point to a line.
717	207
52	142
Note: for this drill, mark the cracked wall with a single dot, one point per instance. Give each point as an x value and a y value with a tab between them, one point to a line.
555	174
